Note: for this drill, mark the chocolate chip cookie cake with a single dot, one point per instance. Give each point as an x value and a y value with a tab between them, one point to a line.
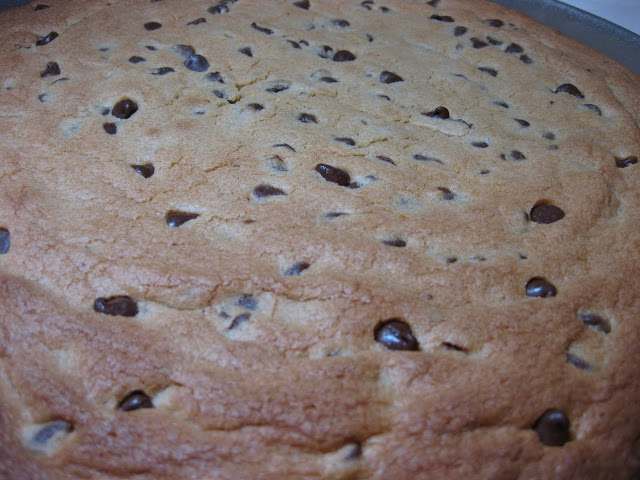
315	239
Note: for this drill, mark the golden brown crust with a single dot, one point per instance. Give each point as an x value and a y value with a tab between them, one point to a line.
258	328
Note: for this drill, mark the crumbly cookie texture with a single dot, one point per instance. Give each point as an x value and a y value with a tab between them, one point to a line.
315	239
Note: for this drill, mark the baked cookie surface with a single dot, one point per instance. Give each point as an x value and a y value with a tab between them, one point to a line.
315	240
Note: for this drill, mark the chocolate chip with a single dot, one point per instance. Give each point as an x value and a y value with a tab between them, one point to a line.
545	213
433	3
304	4
263	190
247	301
151	47
296	269
339	22
390	77
50	429
40	6
549	136
110	128
197	21
570	89
523	123
395	242
162	71
386	97
494	22
307	118
356	450
513	48
325	51
124	109
346	140
147	170
150	26
424	158
120	305
218	10
491	71
366	4
42	97
501	103
553	428
334	214
278	87
593	107
459	31
539	287
343	56
176	219
477	43
447	194
328	80
578	362
135	59
395	334
51	70
385	9
239	320
246	51
183	50
493	41
442	18
385	159
197	63
517	155
626	162
5	241
214	77
480	144
48	39
135	401
439	112
294	44
526	59
455	347
333	174
284	145
260	29
218	93
595	321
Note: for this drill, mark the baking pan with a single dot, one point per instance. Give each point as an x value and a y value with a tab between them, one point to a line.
611	39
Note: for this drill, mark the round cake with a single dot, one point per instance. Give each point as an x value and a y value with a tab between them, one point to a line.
315	239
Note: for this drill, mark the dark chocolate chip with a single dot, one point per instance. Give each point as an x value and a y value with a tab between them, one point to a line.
307	118
51	70
197	21
246	51
494	22
433	3
451	260
136	59
121	305
424	158
110	128
539	287
546	213
42	97
570	89
183	50
385	9
442	18
480	144
48	39
455	347
294	44
491	71
40	6
49	430
135	401
218	10
343	56
5	241
239	320
390	77
248	301
395	242
346	140
549	136
484	172
477	43
501	103
339	22
513	48
385	159
176	219
366	4
459	31
325	51
214	77
150	26
218	93
517	155
278	87
386	97
526	59
333	174
328	80
334	214
553	428
304	4
626	162
296	269
447	194
593	107
578	362
523	123
395	334
595	321
151	47
355	452
197	63
284	145
260	29
263	190
439	112
147	170
124	109
162	71
369	37
493	41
